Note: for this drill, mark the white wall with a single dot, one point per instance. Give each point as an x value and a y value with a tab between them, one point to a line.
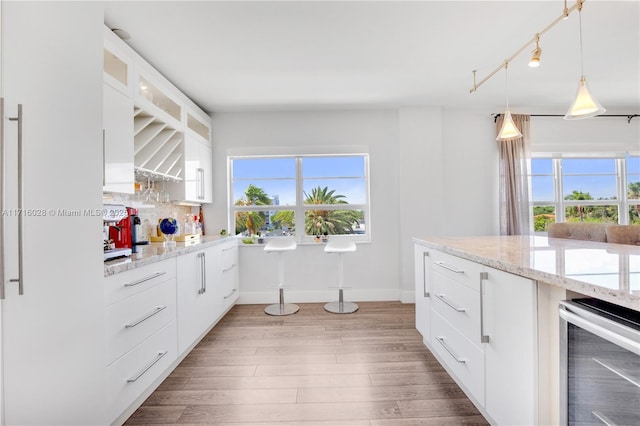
423	176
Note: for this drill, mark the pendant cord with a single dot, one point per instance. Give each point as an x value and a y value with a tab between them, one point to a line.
581	53
506	81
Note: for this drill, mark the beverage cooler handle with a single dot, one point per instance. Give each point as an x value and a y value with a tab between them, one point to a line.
20	279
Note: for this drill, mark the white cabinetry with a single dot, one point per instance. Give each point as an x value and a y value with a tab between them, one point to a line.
484	331
198	304
510	322
422	265
228	288
196	187
118	172
53	338
141	329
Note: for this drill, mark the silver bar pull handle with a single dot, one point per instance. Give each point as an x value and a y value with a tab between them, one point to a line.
203	278
200	188
451	305
228	248
229	268
141	280
147	368
453	354
451	268
20	279
483	338
146	317
230	294
1	198
424	274
104	158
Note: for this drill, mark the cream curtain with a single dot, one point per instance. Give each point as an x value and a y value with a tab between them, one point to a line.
514	186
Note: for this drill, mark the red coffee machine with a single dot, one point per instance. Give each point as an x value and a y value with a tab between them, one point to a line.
121	232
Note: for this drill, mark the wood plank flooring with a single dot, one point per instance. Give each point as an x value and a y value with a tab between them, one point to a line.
313	368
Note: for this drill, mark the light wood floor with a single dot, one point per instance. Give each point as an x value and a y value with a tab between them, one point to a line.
312	368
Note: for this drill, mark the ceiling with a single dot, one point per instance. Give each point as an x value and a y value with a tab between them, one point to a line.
267	55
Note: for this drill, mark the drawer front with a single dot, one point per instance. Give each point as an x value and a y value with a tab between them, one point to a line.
132	320
462	358
132	374
459	304
228	256
229	282
125	284
457	268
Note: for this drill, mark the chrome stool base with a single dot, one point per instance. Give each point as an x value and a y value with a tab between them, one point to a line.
285	309
341	307
281	308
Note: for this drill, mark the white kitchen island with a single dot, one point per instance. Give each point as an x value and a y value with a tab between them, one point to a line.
487	307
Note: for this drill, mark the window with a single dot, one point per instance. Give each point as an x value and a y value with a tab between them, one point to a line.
306	196
585	189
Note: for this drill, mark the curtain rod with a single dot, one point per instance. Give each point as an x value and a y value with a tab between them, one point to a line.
628	116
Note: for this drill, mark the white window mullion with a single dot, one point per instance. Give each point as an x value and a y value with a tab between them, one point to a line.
557	184
623	202
299	213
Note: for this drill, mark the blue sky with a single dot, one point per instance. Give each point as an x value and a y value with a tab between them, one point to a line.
600	180
276	176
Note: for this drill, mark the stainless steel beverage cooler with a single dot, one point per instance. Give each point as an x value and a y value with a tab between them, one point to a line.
599	363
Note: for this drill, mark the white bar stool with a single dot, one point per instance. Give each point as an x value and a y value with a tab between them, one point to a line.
280	245
340	247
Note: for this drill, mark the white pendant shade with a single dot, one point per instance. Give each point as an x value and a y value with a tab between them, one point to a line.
584	106
508	131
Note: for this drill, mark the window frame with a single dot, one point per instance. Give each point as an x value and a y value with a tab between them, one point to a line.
622	202
299	208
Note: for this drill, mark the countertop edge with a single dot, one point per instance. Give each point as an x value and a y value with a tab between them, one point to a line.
592	290
118	266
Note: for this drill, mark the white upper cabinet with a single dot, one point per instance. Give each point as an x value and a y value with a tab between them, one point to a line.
118	172
117	122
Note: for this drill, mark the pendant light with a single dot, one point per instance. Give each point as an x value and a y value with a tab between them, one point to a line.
508	130
584	105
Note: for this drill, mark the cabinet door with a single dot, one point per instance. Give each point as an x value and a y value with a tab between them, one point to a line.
53	337
205	193
422	263
197	299
510	322
117	115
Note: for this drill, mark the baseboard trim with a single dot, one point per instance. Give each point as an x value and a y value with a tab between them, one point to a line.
329	295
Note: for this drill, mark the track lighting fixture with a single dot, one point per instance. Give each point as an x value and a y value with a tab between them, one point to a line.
534	62
584	105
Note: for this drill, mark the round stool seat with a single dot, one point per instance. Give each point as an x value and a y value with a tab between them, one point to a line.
279	245
340	247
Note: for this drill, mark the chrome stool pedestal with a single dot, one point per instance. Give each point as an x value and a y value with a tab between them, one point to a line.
279	245
340	307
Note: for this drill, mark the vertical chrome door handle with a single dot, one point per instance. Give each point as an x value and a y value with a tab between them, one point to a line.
424	274
483	338
20	279
104	157
200	171
203	278
1	198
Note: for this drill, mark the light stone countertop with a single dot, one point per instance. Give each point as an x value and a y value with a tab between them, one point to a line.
605	271
155	252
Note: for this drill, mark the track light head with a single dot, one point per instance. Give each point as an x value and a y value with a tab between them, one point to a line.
534	62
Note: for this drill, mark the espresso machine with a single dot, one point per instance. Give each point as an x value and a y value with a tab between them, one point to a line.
116	233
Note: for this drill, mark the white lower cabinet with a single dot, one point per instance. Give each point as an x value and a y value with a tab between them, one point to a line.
484	331
140	317
511	354
228	289
198	304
